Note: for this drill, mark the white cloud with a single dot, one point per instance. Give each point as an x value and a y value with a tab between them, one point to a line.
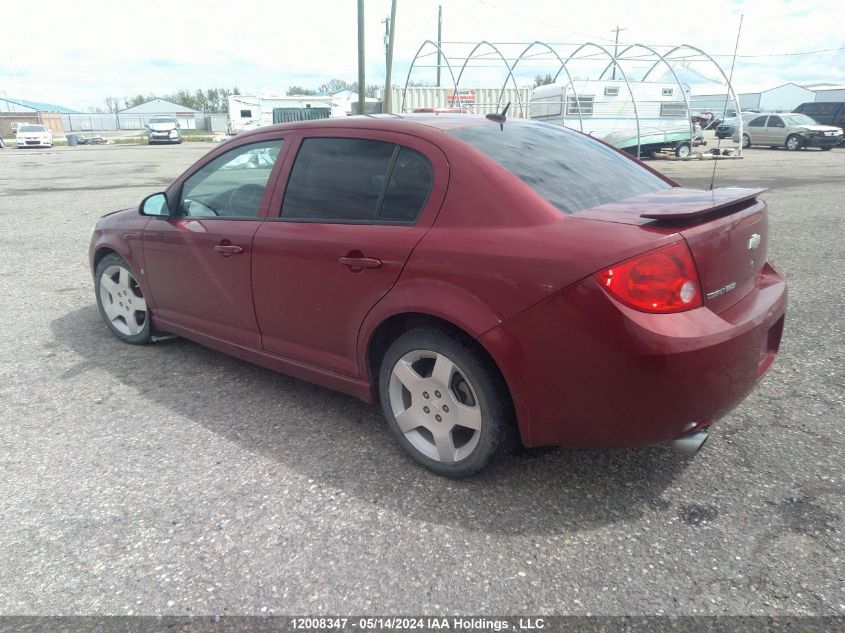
93	48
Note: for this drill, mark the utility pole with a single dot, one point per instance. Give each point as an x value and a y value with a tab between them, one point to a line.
390	27
362	87
616	48
439	39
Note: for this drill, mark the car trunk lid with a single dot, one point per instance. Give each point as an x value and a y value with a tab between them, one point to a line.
726	230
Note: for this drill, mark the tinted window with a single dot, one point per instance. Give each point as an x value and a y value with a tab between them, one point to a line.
232	184
760	121
32	128
337	179
775	121
408	189
570	170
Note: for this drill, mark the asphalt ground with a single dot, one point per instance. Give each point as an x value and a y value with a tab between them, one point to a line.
171	479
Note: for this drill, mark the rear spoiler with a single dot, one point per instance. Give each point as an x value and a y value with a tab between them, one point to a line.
687	204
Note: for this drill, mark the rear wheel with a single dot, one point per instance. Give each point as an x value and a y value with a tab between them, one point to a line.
793	142
683	150
826	148
746	141
444	402
121	301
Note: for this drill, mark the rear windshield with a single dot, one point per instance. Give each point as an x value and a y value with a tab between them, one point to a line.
569	169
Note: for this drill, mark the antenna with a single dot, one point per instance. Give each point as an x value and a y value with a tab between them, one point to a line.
499	117
727	96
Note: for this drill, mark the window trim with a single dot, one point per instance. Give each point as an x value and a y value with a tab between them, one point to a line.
434	154
611	91
670	115
177	188
397	148
582	105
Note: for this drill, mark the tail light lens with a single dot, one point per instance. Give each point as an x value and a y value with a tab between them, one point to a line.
663	280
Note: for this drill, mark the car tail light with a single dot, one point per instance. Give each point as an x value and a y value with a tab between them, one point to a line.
663	280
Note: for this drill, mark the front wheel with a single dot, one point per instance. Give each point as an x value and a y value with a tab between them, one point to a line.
444	401
746	141
794	142
121	301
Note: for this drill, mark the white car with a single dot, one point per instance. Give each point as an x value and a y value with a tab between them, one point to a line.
33	136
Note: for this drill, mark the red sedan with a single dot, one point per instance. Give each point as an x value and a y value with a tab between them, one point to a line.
484	280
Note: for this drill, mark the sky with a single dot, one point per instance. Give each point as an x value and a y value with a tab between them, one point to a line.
90	49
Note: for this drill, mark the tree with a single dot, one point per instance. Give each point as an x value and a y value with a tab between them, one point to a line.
113	104
208	100
335	85
539	80
299	90
138	99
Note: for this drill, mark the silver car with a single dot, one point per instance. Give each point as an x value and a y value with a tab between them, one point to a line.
163	129
792	131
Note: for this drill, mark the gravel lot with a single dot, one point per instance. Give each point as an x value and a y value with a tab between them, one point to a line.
174	480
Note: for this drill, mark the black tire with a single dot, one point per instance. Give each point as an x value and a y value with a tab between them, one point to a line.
683	150
827	148
126	334
746	141
794	142
483	386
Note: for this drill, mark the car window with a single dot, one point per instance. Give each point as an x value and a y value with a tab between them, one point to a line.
32	128
232	184
775	121
799	119
408	188
570	170
337	180
760	121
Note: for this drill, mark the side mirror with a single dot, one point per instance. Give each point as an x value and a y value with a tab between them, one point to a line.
155	206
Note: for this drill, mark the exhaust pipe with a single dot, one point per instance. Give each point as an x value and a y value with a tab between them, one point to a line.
690	443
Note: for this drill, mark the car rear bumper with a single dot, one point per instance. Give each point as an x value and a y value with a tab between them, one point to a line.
584	370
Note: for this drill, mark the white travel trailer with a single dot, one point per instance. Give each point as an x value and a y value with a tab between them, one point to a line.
606	109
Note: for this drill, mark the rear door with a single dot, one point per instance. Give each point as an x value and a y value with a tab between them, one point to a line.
756	130
353	206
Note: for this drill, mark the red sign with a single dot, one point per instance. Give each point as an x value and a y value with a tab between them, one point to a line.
461	96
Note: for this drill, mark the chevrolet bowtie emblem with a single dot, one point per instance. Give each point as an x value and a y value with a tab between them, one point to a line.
753	242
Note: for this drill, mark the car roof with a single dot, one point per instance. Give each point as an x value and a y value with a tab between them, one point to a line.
422	124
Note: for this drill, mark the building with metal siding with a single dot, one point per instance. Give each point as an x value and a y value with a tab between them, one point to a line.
14	113
138	116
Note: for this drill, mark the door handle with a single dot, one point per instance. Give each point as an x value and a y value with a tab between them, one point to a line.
360	262
228	249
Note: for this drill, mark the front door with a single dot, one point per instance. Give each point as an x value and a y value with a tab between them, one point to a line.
198	260
354	207
775	131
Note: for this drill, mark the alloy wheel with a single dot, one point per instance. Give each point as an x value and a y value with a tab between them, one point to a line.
435	406
122	299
